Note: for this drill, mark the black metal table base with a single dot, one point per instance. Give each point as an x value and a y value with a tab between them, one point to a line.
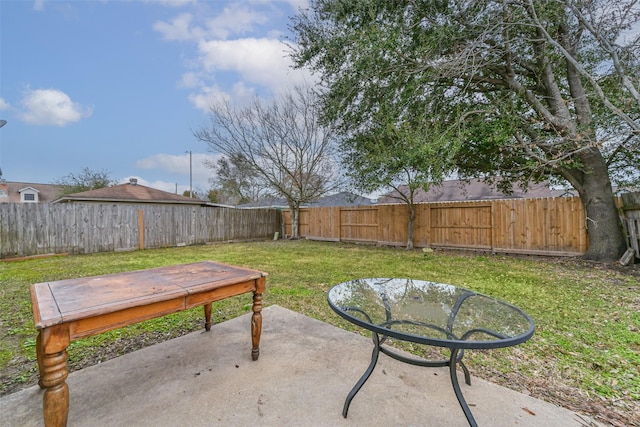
454	360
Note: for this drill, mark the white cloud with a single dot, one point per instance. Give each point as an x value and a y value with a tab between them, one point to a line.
259	61
205	97
232	66
295	4
179	164
169	187
190	80
51	107
299	4
179	28
234	20
4	105
167	162
38	5
240	94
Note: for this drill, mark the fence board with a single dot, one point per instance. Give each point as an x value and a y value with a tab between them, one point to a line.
551	226
359	224
36	229
631	221
392	225
461	225
633	229
324	223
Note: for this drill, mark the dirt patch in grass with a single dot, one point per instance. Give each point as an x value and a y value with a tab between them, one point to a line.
552	389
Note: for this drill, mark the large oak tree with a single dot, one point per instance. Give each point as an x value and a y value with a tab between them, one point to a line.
538	88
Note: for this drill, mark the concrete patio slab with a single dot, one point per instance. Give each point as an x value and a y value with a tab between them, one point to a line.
305	370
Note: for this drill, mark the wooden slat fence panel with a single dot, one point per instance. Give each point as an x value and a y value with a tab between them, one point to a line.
392	225
35	229
359	224
461	225
632	227
303	222
159	228
422	225
629	203
553	226
286	218
324	223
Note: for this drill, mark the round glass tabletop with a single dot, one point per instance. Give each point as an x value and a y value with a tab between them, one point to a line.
430	313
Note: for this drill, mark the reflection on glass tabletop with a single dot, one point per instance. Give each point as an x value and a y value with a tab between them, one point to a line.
430	313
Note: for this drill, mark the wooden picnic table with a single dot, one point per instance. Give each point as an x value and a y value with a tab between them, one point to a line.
67	310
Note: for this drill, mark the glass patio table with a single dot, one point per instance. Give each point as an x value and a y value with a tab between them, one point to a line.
428	313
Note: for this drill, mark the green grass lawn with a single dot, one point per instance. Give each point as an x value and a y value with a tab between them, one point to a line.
585	354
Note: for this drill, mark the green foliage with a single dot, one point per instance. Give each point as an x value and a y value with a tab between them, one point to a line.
195	194
518	81
84	180
482	64
398	151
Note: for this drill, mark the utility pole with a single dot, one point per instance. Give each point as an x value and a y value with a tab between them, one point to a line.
190	174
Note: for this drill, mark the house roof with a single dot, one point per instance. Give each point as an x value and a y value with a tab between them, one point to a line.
266	202
129	192
28	188
475	189
339	199
46	192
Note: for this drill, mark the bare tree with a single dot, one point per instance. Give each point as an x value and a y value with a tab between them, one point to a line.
235	181
283	141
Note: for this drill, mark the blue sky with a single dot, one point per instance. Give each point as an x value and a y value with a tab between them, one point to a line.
120	86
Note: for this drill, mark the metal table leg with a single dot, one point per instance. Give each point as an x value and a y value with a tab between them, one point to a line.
457	390
365	376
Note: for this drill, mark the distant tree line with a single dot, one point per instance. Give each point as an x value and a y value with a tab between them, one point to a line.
85	180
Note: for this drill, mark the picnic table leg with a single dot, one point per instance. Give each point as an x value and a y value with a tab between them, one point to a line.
39	357
207	317
52	361
256	325
256	317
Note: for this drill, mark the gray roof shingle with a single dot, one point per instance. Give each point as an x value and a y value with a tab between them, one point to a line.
46	192
129	192
475	189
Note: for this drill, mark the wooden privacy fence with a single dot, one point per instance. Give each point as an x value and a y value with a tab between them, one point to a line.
548	226
35	229
629	203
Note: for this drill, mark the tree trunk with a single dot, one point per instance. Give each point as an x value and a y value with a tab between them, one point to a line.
412	218
295	221
606	239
